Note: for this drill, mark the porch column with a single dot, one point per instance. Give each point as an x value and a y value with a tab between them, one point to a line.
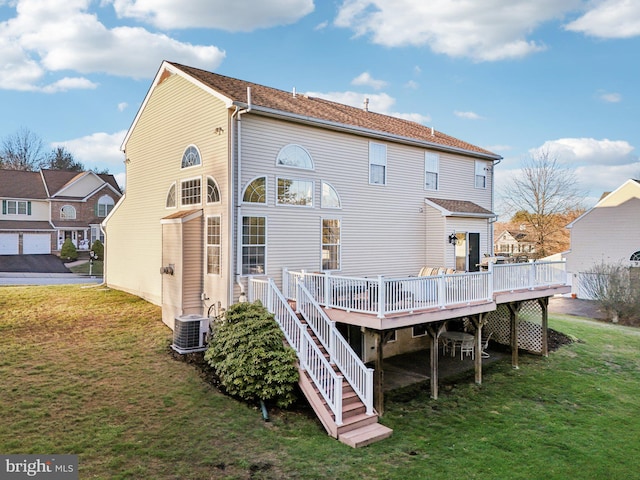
478	321
434	336
544	305
514	308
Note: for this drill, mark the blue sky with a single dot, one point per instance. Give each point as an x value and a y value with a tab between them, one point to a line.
513	76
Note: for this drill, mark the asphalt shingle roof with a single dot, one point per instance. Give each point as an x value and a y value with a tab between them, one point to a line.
460	206
319	109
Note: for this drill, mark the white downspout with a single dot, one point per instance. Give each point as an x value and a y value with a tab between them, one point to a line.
236	141
495	218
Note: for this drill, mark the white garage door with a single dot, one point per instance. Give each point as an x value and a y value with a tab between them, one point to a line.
36	243
8	243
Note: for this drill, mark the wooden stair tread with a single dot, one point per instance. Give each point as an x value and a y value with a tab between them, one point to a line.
366	435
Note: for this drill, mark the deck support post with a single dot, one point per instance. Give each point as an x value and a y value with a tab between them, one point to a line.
544	305
514	308
434	337
378	374
478	322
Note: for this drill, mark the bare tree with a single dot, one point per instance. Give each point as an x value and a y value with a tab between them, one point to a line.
544	195
22	150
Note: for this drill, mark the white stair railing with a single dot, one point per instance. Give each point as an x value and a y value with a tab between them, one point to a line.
359	376
311	359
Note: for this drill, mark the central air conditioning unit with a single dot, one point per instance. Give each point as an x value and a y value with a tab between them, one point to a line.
190	333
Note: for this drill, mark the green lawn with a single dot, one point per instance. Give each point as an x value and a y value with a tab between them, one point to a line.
88	371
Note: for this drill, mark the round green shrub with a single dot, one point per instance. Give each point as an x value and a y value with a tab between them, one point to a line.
248	354
68	251
98	249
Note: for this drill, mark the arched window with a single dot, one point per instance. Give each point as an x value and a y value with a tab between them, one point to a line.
635	257
213	192
190	157
104	206
330	198
256	191
171	197
294	156
68	212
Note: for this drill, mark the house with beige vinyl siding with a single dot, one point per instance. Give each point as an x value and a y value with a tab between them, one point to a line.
320	210
615	216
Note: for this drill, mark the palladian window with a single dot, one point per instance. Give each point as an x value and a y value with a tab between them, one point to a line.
190	157
171	197
68	212
213	192
330	198
256	191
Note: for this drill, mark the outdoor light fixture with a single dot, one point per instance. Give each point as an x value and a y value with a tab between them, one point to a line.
453	239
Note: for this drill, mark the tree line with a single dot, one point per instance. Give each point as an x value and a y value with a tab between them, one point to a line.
25	150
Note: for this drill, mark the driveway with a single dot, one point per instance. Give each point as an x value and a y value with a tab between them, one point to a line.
39	270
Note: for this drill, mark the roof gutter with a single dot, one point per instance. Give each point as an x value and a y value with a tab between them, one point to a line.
270	112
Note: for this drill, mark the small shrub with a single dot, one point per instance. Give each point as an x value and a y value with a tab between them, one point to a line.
98	249
248	354
616	289
68	251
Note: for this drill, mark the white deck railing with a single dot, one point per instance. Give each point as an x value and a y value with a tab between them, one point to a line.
383	296
311	359
359	376
518	276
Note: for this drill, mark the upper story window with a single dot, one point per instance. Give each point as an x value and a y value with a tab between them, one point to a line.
213	246
104	206
377	163
256	191
330	244
295	192
16	207
190	157
213	192
330	198
635	258
191	192
254	245
68	212
171	197
431	171
294	156
481	174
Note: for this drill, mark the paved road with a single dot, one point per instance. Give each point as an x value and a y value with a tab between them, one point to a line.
18	278
40	270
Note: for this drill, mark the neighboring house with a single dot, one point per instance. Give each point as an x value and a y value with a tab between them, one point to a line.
608	233
42	209
514	243
237	190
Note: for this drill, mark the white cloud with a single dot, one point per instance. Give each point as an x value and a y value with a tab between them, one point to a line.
589	151
321	25
484	31
122	106
609	19
366	79
378	102
239	15
412	84
47	37
611	97
101	150
467	115
68	83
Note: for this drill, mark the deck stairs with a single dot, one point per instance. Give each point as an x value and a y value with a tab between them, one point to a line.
357	429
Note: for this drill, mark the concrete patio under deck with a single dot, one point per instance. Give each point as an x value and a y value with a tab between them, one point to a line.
411	368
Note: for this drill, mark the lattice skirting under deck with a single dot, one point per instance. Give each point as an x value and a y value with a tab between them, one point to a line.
529	326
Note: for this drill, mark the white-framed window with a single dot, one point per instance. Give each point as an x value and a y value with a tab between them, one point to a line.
96	234
104	206
171	197
330	244
214	241
391	336
254	245
256	191
330	197
16	207
191	192
419	331
635	259
68	212
213	192
481	174
191	157
377	163
293	155
431	171
294	192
